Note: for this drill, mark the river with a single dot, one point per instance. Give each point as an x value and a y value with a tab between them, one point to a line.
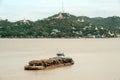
95	59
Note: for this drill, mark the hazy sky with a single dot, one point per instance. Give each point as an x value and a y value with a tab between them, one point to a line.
39	9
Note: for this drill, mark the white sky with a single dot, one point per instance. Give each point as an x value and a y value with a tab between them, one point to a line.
38	9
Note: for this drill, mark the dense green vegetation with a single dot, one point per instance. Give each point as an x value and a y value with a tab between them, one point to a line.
69	26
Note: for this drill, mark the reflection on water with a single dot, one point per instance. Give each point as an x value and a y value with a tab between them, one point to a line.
95	59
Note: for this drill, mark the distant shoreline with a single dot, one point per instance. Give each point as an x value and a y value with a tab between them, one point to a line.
61	38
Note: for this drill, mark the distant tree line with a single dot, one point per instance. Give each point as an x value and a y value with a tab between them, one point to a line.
69	26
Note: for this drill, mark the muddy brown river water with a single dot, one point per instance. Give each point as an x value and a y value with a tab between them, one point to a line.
95	59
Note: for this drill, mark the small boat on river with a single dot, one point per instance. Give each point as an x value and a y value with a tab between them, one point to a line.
59	61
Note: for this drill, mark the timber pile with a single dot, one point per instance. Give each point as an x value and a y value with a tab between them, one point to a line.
48	63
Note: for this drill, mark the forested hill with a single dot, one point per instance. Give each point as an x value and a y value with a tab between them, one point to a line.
62	25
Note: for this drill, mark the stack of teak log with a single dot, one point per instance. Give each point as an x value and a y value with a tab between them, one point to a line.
49	63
